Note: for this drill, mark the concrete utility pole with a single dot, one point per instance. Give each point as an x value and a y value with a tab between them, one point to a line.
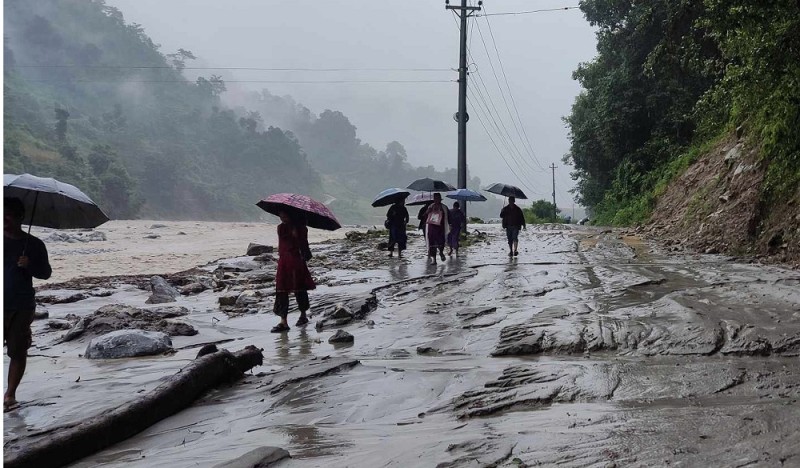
555	210
461	116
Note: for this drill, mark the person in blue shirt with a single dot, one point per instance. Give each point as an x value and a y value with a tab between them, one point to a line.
24	258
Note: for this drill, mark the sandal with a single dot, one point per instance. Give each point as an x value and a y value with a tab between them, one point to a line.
280	328
301	321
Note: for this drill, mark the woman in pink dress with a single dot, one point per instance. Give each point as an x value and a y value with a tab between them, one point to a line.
293	275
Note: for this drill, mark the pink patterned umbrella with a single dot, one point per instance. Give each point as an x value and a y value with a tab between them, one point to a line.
316	214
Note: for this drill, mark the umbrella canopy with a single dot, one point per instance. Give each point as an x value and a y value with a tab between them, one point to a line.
316	214
420	199
430	185
52	204
506	191
390	196
465	195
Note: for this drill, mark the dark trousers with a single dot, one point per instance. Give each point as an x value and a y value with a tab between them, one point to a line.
281	308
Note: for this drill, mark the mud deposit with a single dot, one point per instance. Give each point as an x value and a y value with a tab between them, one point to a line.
589	349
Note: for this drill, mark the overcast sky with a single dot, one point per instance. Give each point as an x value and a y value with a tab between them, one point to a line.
539	52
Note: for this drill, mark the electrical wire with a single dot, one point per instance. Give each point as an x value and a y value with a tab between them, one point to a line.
167	67
244	81
513	102
528	12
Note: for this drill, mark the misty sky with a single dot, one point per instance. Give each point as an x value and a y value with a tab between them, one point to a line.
539	52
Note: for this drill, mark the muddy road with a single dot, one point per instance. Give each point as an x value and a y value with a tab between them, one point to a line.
591	348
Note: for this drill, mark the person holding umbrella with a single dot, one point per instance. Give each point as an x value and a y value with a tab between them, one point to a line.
292	275
297	214
396	222
24	258
437	227
457	223
513	219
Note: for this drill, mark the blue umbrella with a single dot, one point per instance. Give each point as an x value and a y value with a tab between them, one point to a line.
465	195
390	196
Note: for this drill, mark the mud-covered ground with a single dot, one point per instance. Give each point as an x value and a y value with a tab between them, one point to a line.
589	349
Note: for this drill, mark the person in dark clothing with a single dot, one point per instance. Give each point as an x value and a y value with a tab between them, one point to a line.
396	222
513	220
457	223
24	258
421	216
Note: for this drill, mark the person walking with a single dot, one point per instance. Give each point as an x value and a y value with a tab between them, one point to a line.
436	227
396	222
457	223
421	217
24	258
292	275
513	219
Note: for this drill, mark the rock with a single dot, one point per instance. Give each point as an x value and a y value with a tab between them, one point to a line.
128	343
193	288
258	249
181	233
259	277
58	324
341	312
341	336
207	349
370	323
382	246
115	317
152	236
40	313
157	226
61	298
76	237
264	258
162	291
228	300
261	457
246	299
174	328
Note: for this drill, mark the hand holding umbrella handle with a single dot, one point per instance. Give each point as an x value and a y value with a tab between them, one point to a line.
33	213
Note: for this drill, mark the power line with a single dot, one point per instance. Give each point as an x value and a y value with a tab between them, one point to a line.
505	101
512	13
513	102
244	81
167	67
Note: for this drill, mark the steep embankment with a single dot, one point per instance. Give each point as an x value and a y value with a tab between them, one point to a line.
716	206
653	139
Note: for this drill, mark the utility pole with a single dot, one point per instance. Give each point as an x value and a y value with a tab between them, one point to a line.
555	210
461	116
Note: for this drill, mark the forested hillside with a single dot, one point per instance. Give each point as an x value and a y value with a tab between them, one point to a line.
91	100
675	82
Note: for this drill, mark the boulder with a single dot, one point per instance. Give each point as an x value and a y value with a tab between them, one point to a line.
40	313
59	324
115	317
264	258
341	312
246	299
157	226
152	236
261	457
162	291
193	288
258	249
128	343
341	336
228	300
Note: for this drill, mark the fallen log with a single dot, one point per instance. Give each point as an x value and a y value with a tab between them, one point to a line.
106	429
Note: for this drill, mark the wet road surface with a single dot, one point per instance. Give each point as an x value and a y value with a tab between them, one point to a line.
589	349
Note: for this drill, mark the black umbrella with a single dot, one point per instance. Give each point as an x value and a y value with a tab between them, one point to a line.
389	197
430	185
53	204
506	191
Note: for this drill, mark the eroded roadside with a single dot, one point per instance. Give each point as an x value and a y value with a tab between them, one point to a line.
590	349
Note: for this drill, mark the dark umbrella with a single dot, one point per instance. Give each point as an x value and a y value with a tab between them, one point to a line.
53	204
430	185
390	196
316	214
466	195
506	191
420	199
